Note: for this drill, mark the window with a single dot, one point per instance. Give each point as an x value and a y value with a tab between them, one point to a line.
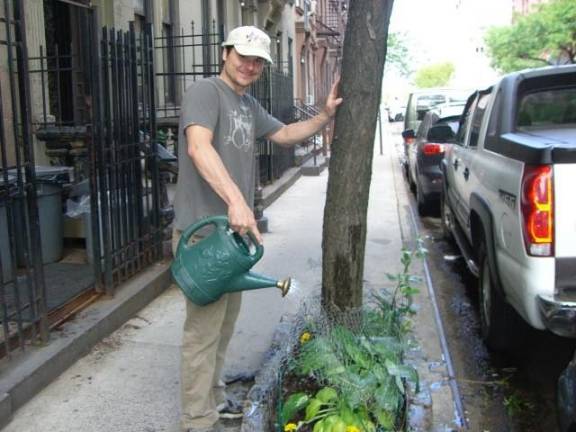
476	122
545	108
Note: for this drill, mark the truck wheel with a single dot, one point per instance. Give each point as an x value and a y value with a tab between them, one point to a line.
501	327
421	201
411	181
446	220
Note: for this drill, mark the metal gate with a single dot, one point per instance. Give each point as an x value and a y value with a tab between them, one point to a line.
124	170
23	308
88	106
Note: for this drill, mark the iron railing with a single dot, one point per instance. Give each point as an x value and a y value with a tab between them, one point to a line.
23	310
312	145
89	108
274	92
124	180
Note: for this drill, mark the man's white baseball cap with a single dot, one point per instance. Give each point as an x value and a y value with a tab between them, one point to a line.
249	41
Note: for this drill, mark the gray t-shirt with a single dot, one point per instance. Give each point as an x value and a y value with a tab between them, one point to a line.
236	122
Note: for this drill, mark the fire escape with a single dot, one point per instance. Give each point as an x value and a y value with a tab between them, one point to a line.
331	23
330	26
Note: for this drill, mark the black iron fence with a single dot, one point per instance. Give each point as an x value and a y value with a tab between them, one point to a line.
87	111
124	179
22	291
274	92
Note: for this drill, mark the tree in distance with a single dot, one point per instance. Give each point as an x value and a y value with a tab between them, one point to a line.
435	75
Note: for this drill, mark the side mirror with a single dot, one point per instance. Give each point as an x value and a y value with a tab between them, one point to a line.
440	134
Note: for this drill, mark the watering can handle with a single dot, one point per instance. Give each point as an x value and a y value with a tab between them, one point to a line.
221	222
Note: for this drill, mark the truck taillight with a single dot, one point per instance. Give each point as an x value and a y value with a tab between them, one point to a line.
538	210
430	149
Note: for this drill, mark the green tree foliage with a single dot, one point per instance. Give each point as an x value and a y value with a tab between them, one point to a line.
436	75
397	55
544	37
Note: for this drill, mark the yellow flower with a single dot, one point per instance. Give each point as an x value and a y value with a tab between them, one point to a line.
305	337
352	429
290	427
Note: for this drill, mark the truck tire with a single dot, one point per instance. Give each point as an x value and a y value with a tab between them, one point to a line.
494	312
422	203
446	218
500	325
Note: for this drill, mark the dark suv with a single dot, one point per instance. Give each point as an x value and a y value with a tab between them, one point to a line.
424	155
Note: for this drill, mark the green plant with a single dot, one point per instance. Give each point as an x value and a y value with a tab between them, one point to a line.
516	404
356	365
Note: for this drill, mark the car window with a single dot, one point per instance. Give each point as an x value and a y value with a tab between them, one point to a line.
476	122
547	108
466	118
459	98
429	101
494	123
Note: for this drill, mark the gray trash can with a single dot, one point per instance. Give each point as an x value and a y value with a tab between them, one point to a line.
49	198
50	212
51	221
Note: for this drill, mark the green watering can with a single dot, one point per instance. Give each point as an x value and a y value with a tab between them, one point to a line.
219	263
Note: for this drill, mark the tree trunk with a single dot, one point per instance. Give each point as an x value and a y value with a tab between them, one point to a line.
344	231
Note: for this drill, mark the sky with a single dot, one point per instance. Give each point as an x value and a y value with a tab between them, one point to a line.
438	31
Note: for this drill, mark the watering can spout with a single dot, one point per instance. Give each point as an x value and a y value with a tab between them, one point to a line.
251	281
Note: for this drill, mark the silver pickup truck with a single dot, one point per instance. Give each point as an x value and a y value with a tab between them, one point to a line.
509	201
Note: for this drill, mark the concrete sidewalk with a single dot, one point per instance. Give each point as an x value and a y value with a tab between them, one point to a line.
129	381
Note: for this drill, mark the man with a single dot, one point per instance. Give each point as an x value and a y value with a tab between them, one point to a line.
219	125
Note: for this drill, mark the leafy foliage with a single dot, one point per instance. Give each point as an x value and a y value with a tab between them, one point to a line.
397	54
356	363
545	36
436	75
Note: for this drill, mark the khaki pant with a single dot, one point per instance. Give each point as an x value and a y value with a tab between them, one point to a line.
207	332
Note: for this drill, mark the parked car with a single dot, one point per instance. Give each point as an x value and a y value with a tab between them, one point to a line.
422	101
396	112
424	155
508	202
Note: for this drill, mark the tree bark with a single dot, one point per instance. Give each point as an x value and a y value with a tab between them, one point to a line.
344	231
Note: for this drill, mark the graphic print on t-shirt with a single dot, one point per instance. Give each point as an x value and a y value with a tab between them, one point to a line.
241	132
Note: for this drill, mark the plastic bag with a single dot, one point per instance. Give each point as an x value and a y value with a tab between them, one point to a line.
75	208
